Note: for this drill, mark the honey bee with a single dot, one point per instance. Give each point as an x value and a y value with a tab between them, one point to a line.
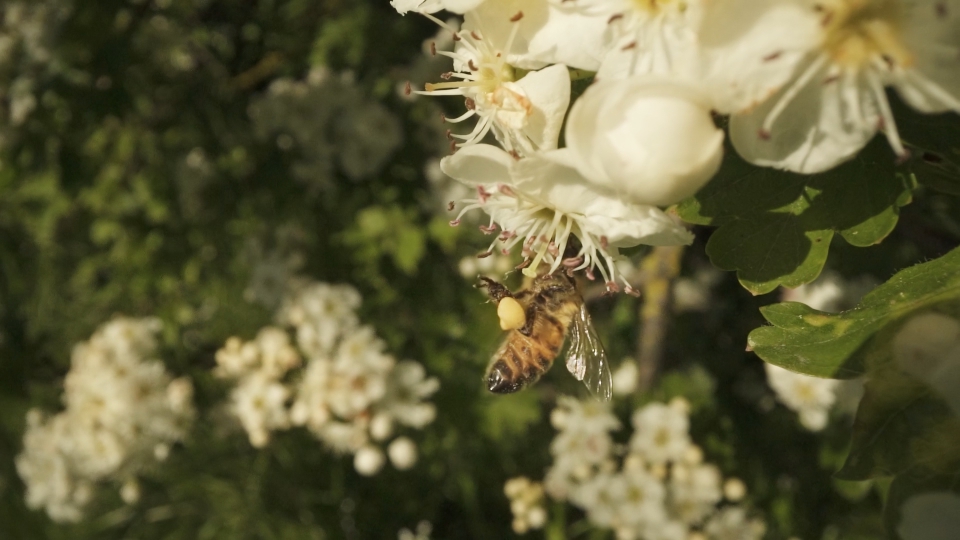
552	307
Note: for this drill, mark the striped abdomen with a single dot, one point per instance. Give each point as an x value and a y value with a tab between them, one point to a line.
521	359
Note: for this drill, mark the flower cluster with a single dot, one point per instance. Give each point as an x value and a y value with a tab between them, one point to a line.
123	412
349	393
657	487
526	504
803	84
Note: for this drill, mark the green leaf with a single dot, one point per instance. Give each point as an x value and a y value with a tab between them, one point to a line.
896	418
812	342
775	227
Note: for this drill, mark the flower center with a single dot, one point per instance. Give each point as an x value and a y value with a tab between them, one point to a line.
655	7
858	31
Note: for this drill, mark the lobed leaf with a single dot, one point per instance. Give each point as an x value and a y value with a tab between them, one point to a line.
821	344
775	227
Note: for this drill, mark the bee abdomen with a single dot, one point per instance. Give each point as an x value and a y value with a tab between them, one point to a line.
519	363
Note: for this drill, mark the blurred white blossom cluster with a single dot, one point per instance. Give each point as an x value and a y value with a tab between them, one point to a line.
812	398
803	83
122	413
333	377
654	487
326	121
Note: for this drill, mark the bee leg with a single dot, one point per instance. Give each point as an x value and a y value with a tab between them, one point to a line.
494	289
527	327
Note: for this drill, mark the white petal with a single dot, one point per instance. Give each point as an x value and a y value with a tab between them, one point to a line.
478	164
547	34
650	139
825	124
750	48
549	92
932	33
460	6
640	224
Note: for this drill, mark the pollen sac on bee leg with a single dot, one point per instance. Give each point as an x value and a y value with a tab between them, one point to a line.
511	313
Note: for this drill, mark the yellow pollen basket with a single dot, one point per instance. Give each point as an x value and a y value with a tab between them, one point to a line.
511	313
859	31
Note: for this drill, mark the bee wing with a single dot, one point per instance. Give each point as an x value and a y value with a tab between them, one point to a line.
586	359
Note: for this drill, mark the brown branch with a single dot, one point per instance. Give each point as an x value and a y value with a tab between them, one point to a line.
659	269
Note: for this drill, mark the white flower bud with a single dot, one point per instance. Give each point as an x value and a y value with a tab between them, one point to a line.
625	378
130	491
368	461
403	453
649	139
381	427
537	517
734	489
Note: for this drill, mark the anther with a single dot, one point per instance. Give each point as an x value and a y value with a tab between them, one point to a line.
604	243
454	223
470	103
631	291
433	48
450	206
407	90
772	56
517	17
472	66
484	255
456	37
506	190
488	230
475	35
629	46
615	17
763	134
446	76
524	264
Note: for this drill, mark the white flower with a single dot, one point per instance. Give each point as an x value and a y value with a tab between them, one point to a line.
524	113
651	140
259	402
694	491
359	373
810	397
130	491
930	516
540	204
625	378
120	404
526	504
734	489
731	523
550	32
642	505
660	432
368	460
642	37
403	453
407	388
320	312
432	6
836	101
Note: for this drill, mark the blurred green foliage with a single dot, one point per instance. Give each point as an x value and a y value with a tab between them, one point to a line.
143	183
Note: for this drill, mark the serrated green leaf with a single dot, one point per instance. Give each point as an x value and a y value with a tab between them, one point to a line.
812	342
775	227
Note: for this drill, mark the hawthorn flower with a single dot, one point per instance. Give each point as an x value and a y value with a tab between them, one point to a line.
651	139
642	37
836	100
432	6
811	397
525	113
732	523
661	431
541	204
